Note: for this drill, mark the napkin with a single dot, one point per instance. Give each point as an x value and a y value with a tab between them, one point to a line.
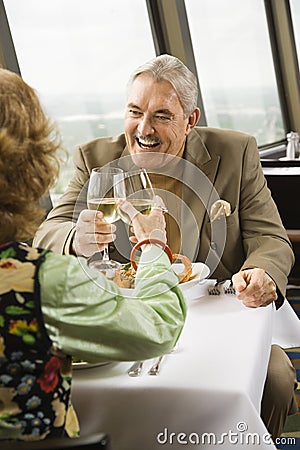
219	209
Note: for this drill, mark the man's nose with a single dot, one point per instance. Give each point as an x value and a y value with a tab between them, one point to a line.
145	126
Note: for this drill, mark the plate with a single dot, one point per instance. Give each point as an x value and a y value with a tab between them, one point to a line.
86	365
200	272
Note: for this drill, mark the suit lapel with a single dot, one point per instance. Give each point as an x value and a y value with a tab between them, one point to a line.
198	193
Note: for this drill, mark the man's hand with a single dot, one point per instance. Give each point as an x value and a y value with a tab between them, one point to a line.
254	287
91	233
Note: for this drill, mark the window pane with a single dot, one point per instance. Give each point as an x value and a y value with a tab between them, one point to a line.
295	11
78	55
235	68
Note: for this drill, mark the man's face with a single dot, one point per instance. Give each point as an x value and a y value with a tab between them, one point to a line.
154	121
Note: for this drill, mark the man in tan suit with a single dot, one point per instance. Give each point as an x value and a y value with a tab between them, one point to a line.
195	170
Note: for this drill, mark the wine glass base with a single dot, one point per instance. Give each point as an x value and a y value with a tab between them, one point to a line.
108	268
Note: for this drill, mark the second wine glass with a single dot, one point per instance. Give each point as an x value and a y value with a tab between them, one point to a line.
136	188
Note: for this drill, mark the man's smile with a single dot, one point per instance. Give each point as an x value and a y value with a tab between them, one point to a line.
147	142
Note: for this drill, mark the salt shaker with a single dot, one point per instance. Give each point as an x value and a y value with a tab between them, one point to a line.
293	144
297	149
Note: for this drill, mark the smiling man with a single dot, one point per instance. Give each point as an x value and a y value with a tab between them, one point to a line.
155	120
194	167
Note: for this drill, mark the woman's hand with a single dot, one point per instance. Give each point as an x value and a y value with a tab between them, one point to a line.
145	227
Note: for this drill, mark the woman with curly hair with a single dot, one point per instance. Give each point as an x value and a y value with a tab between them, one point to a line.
53	307
29	163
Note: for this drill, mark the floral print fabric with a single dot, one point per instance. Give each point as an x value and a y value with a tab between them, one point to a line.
35	382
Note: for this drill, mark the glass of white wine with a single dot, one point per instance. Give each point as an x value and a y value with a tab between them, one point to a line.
136	188
100	197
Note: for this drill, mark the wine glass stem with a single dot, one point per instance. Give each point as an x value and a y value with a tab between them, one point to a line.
105	253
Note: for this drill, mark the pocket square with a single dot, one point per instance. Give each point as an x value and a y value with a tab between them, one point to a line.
219	209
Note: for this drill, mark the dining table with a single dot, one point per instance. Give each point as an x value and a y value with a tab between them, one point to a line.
208	390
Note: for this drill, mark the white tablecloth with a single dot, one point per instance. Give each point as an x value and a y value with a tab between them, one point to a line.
212	383
286	327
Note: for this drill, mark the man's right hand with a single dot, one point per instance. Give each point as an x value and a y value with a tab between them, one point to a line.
91	233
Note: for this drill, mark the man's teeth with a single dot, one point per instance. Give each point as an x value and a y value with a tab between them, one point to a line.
147	144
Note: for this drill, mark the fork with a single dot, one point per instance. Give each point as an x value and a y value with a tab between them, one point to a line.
136	369
154	370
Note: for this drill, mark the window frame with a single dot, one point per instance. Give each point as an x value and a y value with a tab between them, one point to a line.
8	56
285	60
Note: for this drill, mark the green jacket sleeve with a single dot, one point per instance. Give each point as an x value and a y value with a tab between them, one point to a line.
87	316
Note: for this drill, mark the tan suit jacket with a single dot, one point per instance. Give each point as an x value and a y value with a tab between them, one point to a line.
252	236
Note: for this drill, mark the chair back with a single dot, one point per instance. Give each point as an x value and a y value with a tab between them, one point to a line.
96	441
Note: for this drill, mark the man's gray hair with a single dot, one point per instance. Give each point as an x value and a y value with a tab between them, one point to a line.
171	69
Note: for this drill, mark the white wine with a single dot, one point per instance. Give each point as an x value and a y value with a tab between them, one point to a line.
107	206
143	205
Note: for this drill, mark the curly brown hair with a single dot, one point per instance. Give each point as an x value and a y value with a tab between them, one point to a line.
29	163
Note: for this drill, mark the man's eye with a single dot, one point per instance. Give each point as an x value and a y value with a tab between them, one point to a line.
163	118
134	112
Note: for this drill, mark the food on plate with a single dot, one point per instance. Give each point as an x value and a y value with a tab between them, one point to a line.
186	274
76	360
125	275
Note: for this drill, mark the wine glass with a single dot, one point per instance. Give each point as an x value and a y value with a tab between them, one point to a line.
136	188
100	197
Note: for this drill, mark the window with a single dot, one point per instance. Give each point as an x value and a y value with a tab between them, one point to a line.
295	11
235	67
78	55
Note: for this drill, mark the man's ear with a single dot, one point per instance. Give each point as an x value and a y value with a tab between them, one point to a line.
193	119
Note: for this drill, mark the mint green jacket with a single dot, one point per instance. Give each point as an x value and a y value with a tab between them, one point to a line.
87	315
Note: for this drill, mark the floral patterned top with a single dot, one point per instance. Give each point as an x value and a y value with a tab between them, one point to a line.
35	380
